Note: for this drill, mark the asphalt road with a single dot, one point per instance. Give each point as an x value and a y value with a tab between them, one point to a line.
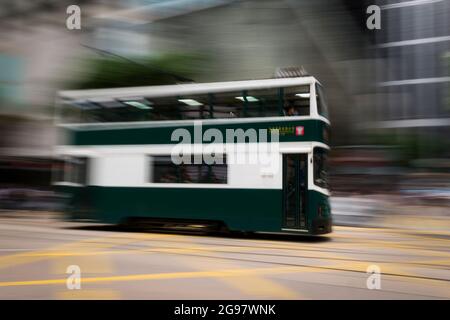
118	264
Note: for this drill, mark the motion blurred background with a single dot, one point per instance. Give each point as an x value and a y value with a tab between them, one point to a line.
388	89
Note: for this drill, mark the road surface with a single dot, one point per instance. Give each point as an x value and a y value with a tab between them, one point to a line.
35	254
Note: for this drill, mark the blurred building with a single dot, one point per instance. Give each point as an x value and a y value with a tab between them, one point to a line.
413	74
37	52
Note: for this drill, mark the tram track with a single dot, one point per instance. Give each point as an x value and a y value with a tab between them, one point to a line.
166	240
288	248
133	244
295	265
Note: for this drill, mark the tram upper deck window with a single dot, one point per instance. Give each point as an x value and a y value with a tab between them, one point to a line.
322	106
107	110
261	102
180	107
227	105
321	167
296	101
243	103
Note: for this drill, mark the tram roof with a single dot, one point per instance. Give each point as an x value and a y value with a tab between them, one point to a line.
183	89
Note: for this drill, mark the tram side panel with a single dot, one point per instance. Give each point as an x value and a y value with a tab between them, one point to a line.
119	188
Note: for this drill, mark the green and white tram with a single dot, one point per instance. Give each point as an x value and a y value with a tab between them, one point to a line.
117	165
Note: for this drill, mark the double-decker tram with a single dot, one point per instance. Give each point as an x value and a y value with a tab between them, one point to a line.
121	147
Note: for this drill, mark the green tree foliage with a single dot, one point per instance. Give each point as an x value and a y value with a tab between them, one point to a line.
113	72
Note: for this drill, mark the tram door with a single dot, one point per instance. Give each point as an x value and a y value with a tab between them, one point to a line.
295	184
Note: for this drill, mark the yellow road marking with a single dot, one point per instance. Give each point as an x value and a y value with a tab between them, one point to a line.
89	246
88	294
183	275
30	257
74	253
253	285
162	276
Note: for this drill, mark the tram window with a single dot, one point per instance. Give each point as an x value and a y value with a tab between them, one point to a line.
68	113
165	108
58	171
105	111
263	103
193	107
321	167
75	170
227	105
165	171
216	173
322	106
296	101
